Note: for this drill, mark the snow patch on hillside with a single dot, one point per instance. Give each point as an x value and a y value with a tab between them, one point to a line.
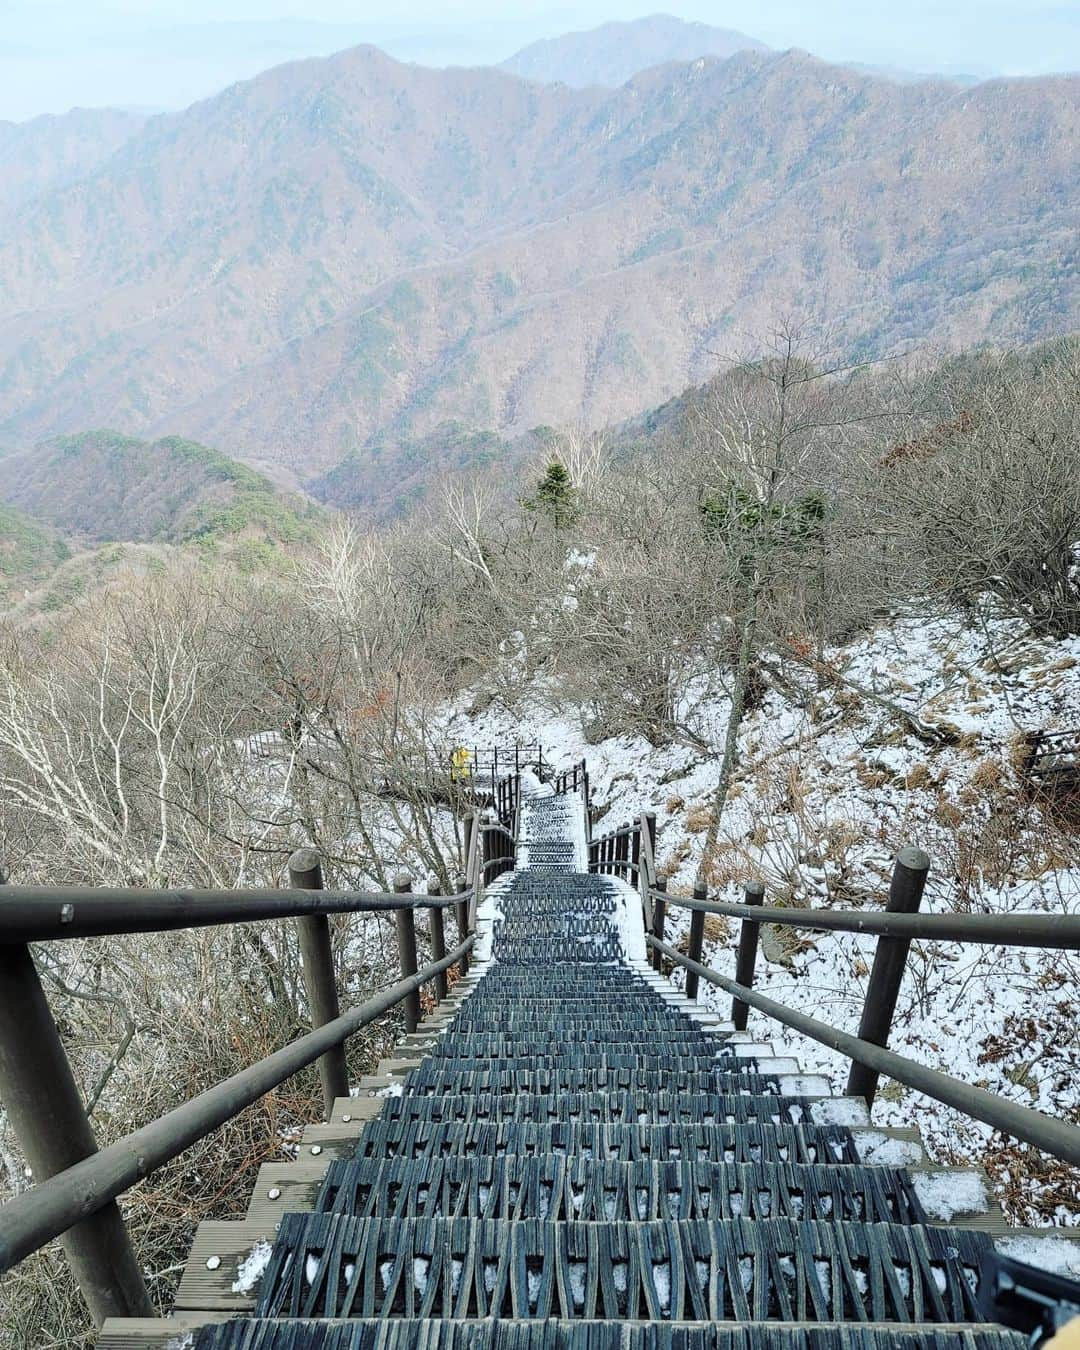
832	783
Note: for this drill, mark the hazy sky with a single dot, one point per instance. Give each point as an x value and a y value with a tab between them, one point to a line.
55	54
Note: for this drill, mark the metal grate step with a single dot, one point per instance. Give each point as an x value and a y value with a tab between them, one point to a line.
408	1334
332	1265
629	1013
652	1052
652	1025
576	1188
434	1079
825	1144
617	1107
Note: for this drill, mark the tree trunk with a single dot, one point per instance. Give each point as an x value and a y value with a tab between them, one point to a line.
730	761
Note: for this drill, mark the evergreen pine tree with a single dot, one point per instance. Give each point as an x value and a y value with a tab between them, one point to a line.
555	495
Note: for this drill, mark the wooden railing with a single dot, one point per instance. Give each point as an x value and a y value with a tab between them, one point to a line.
78	1184
630	853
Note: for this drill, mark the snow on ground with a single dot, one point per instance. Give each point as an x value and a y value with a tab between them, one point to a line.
824	798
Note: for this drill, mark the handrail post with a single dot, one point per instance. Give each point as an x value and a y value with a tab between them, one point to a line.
406	939
438	940
461	913
648	840
42	1100
645	876
659	906
317	959
890	959
747	955
469	838
697	938
473	865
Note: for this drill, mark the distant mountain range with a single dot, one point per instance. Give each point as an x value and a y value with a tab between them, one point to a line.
616	52
81	512
46	153
324	267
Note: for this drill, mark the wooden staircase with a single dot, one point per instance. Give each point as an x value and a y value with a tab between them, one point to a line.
570	1153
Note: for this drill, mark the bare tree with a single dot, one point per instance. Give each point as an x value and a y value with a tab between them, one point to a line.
767	437
987	485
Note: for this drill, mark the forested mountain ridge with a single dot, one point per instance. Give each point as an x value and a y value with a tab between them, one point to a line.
351	253
101	487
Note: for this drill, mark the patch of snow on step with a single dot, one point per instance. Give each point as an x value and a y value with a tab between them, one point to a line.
531	786
578	836
627	919
881	1150
945	1194
795	1084
1057	1255
839	1111
251	1270
488	914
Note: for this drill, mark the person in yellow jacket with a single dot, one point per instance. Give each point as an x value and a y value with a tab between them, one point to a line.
460	760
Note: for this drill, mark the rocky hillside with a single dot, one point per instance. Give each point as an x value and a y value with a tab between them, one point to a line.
351	253
47	153
616	52
101	486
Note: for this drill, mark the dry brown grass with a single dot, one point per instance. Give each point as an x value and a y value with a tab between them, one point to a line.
986	775
917	777
697	819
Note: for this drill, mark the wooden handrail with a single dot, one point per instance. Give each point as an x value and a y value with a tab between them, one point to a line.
76	1199
55	913
1056	1137
1061	931
30	1220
